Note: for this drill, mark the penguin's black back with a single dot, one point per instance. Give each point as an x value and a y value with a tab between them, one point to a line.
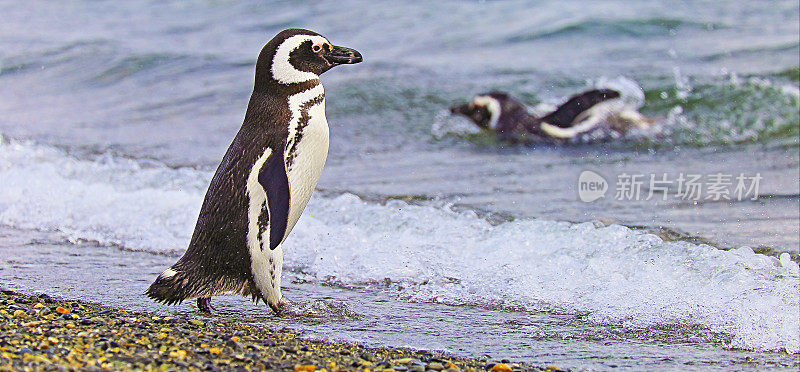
565	115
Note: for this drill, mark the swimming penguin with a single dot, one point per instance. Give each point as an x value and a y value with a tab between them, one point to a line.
593	115
264	181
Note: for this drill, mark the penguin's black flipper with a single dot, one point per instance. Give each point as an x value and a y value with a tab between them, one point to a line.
275	181
564	116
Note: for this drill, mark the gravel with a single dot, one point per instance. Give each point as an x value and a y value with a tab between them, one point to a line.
41	332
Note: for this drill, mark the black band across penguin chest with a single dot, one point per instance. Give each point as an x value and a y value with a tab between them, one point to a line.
302	122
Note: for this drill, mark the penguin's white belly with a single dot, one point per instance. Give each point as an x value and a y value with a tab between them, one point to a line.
309	159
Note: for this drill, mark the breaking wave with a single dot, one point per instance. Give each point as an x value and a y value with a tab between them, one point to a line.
428	253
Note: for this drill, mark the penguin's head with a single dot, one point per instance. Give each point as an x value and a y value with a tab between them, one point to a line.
296	56
486	109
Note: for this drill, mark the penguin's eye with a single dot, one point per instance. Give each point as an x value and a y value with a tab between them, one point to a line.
316	48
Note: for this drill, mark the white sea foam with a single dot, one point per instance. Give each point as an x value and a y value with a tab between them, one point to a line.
109	200
630	91
433	254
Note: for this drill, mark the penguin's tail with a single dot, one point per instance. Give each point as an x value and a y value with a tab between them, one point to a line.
174	285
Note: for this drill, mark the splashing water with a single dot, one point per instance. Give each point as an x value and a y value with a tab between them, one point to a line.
713	114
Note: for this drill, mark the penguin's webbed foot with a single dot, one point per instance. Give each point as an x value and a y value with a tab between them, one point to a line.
204	304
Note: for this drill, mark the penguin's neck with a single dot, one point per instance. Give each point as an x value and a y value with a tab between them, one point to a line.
512	118
269	100
276	89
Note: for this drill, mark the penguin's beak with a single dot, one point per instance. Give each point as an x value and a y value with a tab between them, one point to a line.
339	55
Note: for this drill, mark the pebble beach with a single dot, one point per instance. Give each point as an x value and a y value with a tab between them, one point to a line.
44	333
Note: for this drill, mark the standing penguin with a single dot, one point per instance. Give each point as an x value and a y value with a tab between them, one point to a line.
264	181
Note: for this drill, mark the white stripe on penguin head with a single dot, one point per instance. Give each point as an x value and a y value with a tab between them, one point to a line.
282	69
492	105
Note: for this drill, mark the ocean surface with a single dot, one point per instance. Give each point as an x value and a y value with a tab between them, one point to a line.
424	233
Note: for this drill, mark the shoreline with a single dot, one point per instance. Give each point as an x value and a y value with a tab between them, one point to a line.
42	332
